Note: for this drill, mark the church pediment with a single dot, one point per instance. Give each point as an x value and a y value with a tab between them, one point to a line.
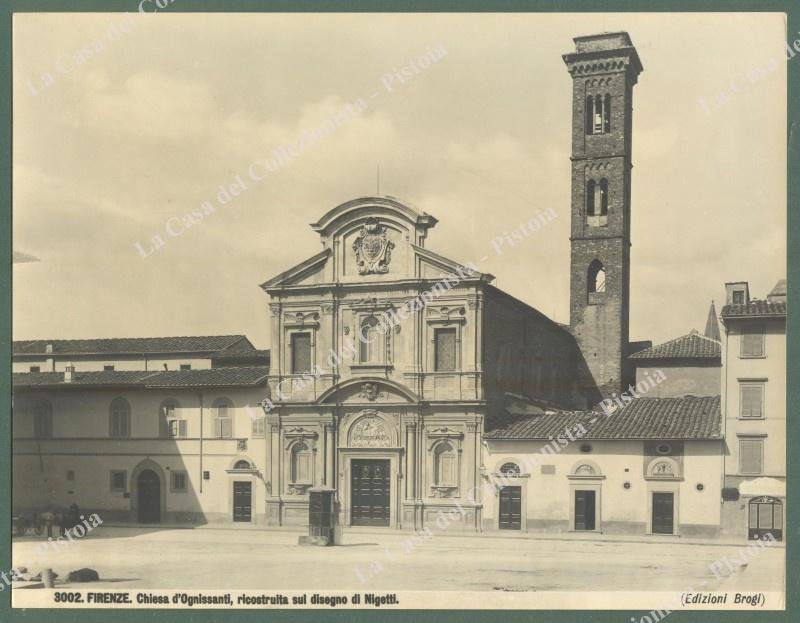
368	391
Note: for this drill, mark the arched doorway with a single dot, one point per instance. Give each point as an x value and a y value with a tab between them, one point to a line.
765	517
149	497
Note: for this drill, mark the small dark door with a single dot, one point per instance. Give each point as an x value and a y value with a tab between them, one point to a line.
242	501
766	517
663	506
584	510
149	497
510	508
369	486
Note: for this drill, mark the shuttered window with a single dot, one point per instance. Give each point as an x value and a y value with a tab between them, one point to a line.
751	400
177	428
751	456
752	341
301	353
445	350
223	423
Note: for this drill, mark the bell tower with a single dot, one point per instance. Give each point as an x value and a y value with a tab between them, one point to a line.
604	70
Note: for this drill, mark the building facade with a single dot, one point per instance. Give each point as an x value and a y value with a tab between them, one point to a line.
754	407
182	446
386	359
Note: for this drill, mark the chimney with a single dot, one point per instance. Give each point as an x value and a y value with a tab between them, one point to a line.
69	373
48	349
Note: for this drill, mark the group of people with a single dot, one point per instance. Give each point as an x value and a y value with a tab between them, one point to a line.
61	519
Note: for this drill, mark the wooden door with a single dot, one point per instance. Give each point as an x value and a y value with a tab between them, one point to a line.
663	507
242	501
369	492
585	510
148	486
510	508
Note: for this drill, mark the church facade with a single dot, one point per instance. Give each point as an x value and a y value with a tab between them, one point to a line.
386	358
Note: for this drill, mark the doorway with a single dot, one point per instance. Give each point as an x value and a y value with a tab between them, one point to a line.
369	492
148	486
585	510
511	508
765	517
242	501
663	512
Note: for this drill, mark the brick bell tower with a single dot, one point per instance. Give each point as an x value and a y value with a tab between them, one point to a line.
604	70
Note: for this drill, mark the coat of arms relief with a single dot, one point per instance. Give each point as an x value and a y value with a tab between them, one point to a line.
373	248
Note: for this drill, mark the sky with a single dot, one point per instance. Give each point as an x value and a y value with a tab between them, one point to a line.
112	140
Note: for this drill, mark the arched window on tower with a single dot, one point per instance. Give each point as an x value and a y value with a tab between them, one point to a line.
596	281
589	114
597	203
607	113
591	187
597	121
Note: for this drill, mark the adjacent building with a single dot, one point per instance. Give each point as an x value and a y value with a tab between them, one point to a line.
754	406
177	436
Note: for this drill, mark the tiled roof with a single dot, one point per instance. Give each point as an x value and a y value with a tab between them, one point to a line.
211	377
239	354
691	346
688	417
758	309
131	345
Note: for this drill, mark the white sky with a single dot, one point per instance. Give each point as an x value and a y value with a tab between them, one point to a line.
150	126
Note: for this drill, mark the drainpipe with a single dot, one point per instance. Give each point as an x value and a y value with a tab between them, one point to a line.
200	397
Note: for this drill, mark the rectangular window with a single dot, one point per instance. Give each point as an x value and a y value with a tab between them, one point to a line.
118	480
752	341
71	475
177	428
186	366
751	400
301	353
738	297
108	368
444	350
35	369
259	427
178	479
222	427
751	456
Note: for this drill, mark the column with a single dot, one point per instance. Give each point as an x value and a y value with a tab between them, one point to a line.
330	452
411	460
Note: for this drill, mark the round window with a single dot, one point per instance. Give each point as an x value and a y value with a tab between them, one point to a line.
664	448
586	448
700	486
627	485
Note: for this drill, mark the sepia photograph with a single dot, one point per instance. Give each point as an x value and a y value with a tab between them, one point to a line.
409	311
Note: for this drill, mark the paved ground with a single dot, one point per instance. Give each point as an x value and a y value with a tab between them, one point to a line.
380	560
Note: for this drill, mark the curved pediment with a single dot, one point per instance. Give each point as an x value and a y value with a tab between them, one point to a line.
388	207
366	390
